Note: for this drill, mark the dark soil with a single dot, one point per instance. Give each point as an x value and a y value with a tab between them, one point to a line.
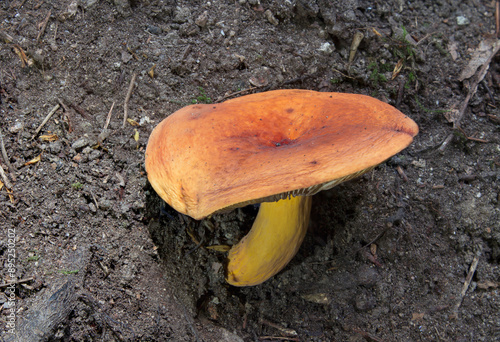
99	258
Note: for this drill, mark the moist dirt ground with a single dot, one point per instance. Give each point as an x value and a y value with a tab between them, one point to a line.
408	252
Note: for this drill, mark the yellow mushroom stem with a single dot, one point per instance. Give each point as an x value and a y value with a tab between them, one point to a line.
275	238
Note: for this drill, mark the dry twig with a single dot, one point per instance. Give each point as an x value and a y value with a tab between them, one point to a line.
47	118
127	99
279	338
65	108
43	25
20	281
283	330
4	154
467	281
497	18
5	179
95	200
402	173
235	93
109	117
472	138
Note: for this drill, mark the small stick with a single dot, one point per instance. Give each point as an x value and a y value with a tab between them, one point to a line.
20	5
478	140
280	338
5	179
344	75
65	108
283	330
4	154
43	26
494	118
79	110
234	94
446	142
55	33
425	37
468	279
109	116
127	99
497	18
402	173
24	280
471	138
95	200
47	118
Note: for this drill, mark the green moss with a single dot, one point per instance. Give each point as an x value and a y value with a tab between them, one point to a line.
77	185
376	76
202	97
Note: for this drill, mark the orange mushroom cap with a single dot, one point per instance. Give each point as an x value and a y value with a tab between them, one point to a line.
206	158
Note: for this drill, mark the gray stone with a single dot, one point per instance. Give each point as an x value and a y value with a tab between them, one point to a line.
80	143
181	15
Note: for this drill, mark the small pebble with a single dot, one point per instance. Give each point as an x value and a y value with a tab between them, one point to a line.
364	302
154	29
181	15
326	48
202	19
18	126
367	276
80	143
462	21
271	18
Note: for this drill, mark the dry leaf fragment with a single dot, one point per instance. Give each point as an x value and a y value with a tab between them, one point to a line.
356	40
49	137
397	69
318	298
136	135
22	55
219	248
133	122
5	37
11	196
452	49
34	160
1	185
480	56
151	71
484	285
452	115
132	53
417	316
257	81
376	32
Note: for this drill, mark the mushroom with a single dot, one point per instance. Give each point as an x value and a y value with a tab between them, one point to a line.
277	148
